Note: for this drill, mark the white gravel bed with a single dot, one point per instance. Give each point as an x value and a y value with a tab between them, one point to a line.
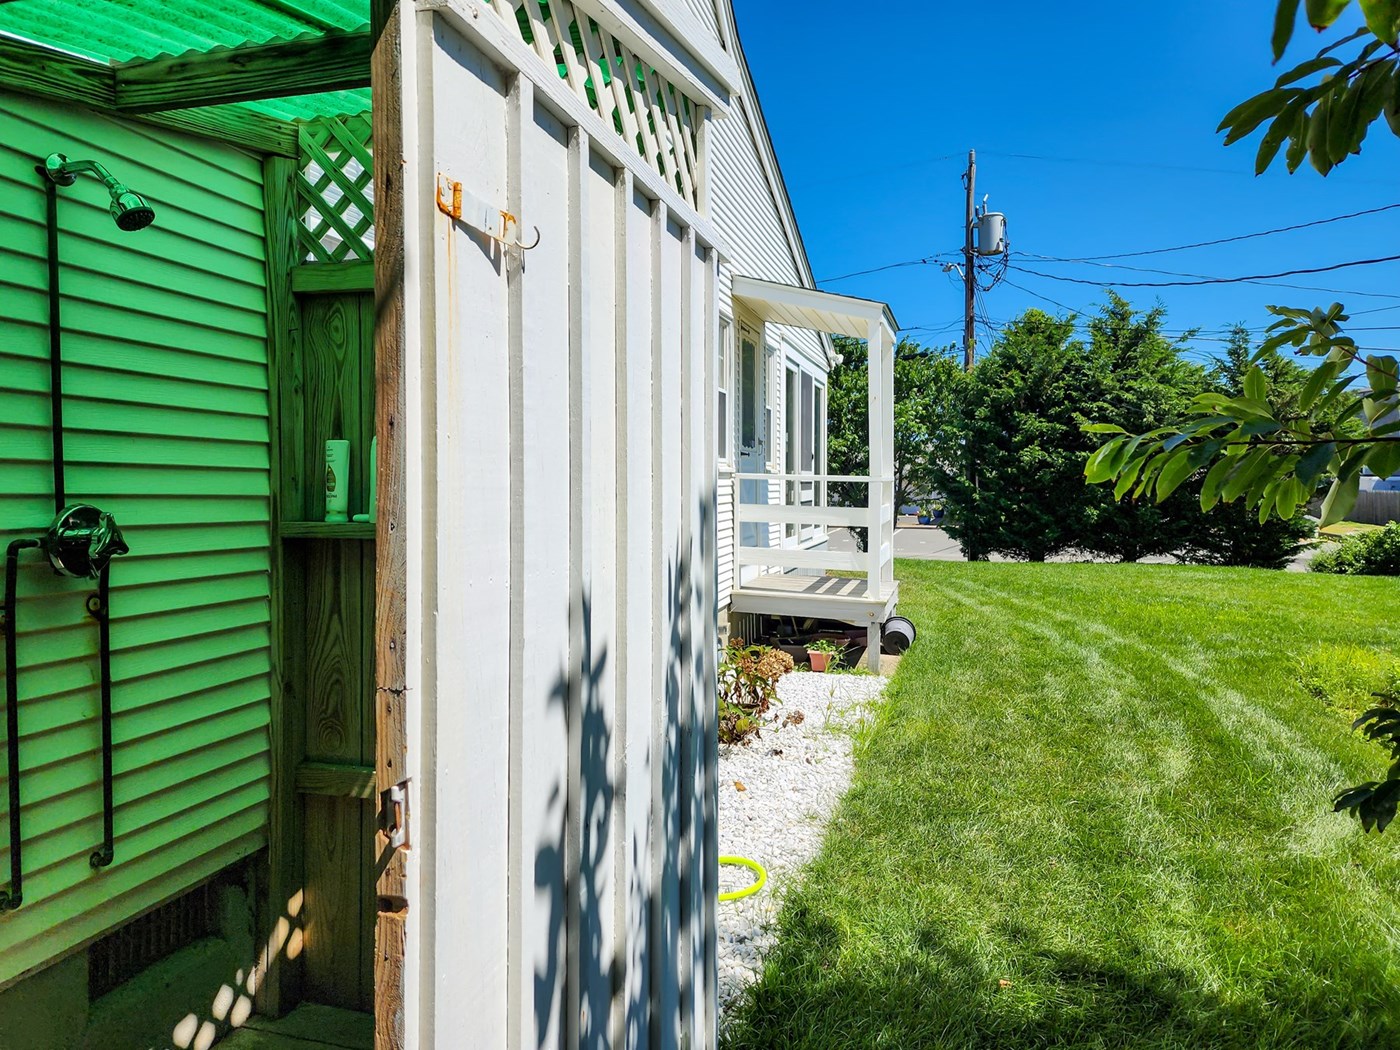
792	776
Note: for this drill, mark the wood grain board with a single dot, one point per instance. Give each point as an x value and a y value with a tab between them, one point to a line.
391	550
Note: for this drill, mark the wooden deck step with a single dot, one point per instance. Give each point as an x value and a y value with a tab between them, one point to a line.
822	597
308	1027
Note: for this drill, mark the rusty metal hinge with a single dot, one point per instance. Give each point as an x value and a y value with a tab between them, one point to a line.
393	815
465	207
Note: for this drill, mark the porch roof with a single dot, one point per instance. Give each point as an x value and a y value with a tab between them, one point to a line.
156	34
807	308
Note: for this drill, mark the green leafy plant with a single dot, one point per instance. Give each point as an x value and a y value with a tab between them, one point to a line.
1274	456
1347	677
748	677
830	650
1374	802
1012	459
1365	554
1324	107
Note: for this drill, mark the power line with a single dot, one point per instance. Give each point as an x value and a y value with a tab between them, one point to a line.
1216	280
1149	165
1238	237
926	261
1046	298
1201	277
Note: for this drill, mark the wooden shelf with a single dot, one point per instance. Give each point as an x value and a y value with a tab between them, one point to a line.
327	530
336	779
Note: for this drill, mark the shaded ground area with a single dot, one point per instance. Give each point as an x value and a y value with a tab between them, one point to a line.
308	1027
1095	812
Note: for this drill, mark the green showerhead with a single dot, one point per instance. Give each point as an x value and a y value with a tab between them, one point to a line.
130	211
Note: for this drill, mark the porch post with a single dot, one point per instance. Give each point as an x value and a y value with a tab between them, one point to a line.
874	363
887	432
738	489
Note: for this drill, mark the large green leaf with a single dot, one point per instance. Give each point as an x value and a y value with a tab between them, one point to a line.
1381	371
1249	114
1318	126
1392	102
1322	13
1256	384
1290	494
1315	461
1101	464
1382	18
1215	478
1176	470
1285	17
1320	377
1341	498
1307	69
1245	474
1384	459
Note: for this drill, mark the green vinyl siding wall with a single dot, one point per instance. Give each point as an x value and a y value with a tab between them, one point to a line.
166	413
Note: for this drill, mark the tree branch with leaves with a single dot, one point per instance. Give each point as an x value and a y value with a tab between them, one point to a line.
1276	454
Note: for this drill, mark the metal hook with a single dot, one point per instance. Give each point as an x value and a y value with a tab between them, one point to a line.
477	214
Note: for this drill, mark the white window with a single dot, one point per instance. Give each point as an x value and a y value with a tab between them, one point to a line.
791	441
819	441
809	450
771	365
791	430
750	391
725	423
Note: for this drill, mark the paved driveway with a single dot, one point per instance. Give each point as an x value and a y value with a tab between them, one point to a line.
927	542
930	543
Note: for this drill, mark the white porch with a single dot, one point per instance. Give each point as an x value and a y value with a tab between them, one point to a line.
790	578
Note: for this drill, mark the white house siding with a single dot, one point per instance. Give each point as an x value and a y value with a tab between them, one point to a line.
560	565
745	205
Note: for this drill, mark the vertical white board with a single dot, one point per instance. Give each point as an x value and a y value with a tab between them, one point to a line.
565	500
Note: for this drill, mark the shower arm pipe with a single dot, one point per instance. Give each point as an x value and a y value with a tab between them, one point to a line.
66	173
98	609
14	897
55	349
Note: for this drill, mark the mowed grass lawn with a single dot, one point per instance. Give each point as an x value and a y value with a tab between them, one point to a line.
1095	812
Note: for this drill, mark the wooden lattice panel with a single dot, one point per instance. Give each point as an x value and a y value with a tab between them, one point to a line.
656	118
335	190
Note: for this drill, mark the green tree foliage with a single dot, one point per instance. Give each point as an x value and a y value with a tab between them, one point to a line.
1269	447
1368	554
925	382
1273	456
1324	107
1009	461
1268	452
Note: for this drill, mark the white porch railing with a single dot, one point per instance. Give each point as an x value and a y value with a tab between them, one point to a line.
802	500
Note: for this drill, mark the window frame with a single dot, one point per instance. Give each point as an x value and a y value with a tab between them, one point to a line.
727	437
750	409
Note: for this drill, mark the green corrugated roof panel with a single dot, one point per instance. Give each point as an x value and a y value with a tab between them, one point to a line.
122	30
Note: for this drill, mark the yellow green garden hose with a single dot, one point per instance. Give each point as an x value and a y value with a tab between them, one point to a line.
753	866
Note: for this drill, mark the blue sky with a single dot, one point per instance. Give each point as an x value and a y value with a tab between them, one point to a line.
873	107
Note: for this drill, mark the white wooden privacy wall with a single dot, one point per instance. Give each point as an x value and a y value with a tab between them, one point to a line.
561	577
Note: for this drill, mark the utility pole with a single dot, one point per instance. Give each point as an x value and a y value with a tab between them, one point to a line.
969	263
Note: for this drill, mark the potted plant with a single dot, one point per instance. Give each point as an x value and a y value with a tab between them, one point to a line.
935	510
824	655
924	518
